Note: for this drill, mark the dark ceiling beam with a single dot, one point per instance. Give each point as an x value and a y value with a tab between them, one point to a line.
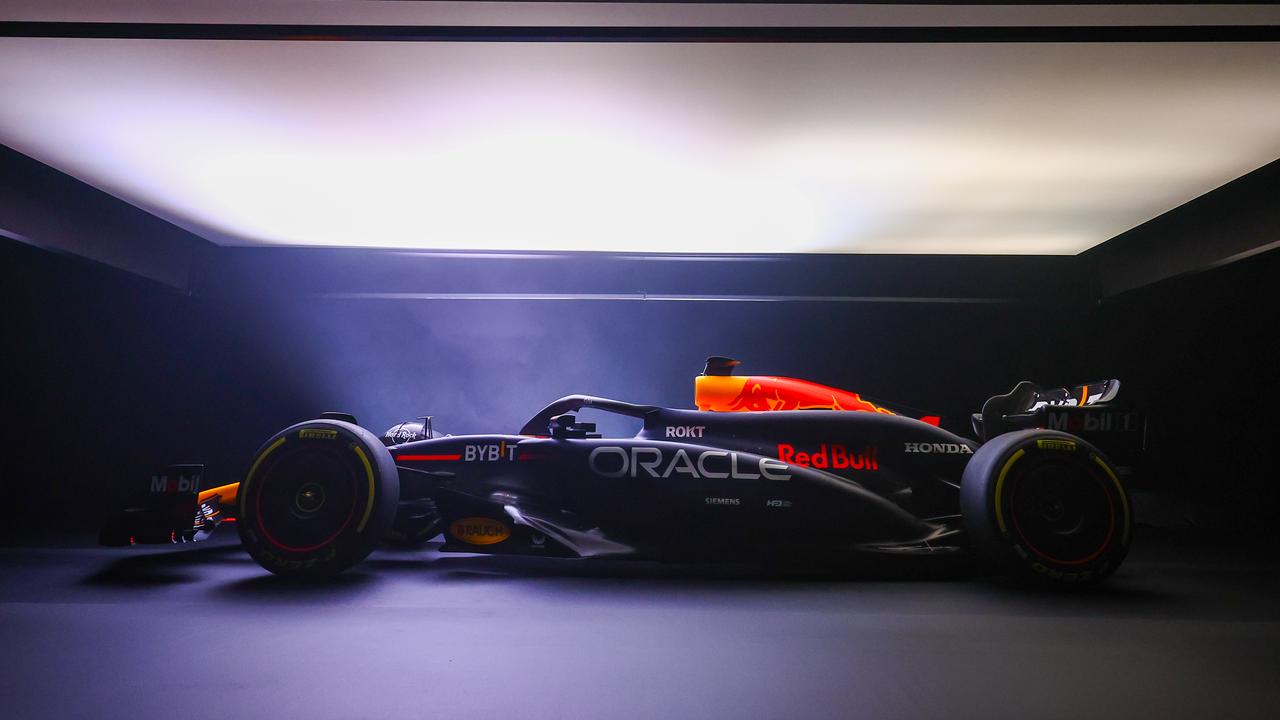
687	34
884	2
874	2
46	208
1233	222
365	274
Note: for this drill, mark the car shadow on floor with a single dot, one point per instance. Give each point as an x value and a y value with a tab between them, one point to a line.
435	567
462	567
224	564
165	567
268	586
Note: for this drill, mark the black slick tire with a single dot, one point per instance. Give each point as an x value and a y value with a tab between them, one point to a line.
1046	506
318	498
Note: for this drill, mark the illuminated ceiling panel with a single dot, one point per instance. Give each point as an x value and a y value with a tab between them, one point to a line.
709	148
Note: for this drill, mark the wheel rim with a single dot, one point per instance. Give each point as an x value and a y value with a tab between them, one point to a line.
306	500
310	498
1062	514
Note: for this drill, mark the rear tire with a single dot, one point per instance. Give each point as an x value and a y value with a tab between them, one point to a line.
318	498
1047	506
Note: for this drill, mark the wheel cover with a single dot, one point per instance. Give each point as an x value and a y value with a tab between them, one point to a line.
306	500
1062	514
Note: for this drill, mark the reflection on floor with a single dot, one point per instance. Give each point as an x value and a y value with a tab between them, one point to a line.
158	632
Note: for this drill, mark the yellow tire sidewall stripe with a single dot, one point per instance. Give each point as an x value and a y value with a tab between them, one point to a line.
368	469
1004	471
244	486
1000	488
1124	499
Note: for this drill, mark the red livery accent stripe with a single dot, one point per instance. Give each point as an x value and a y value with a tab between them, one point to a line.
428	457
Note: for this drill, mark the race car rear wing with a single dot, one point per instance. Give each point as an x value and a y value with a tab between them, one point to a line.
1087	411
1026	398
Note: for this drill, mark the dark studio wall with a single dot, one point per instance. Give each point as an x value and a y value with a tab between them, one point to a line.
1201	354
109	376
1188	317
106	376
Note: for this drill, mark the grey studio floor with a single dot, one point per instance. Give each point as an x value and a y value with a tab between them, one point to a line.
1181	632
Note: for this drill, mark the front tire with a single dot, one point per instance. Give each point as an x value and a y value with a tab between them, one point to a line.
318	498
1047	506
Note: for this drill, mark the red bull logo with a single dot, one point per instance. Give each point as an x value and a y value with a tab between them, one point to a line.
832	456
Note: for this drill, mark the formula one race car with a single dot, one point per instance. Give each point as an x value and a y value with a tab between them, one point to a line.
765	465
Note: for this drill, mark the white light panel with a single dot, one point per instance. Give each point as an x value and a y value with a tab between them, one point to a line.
657	148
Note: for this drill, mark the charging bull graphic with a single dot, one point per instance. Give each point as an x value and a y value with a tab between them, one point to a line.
763	392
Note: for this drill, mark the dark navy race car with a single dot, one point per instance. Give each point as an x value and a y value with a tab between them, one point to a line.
766	466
